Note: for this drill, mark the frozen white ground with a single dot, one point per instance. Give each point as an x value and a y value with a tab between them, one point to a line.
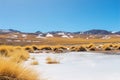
79	66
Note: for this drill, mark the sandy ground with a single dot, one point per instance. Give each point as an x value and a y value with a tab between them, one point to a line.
78	66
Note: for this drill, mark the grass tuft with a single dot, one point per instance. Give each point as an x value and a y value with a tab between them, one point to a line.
34	62
50	60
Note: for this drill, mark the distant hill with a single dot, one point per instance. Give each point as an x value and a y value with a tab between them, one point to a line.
117	32
96	31
9	31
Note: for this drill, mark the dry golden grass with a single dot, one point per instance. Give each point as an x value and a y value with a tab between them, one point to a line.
76	41
60	47
35	47
78	48
22	53
50	60
81	48
116	46
29	49
73	48
45	47
13	71
15	53
33	58
19	55
91	47
107	47
34	62
18	47
6	50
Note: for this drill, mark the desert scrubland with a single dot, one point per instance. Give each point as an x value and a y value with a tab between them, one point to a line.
22	60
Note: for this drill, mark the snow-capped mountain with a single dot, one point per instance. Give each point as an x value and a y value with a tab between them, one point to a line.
62	33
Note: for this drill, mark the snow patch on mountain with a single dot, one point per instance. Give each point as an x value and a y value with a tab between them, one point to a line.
40	36
49	35
24	35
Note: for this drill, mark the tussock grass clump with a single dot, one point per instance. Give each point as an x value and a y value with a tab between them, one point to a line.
15	53
81	48
59	49
4	50
46	48
13	71
18	48
117	46
92	49
19	56
35	47
33	58
29	49
50	60
107	47
90	45
34	62
78	48
73	48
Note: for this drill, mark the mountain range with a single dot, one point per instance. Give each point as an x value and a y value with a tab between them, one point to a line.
93	31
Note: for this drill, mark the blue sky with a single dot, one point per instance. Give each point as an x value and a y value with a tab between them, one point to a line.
60	15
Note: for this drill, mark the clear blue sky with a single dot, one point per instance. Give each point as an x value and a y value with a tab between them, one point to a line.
57	15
